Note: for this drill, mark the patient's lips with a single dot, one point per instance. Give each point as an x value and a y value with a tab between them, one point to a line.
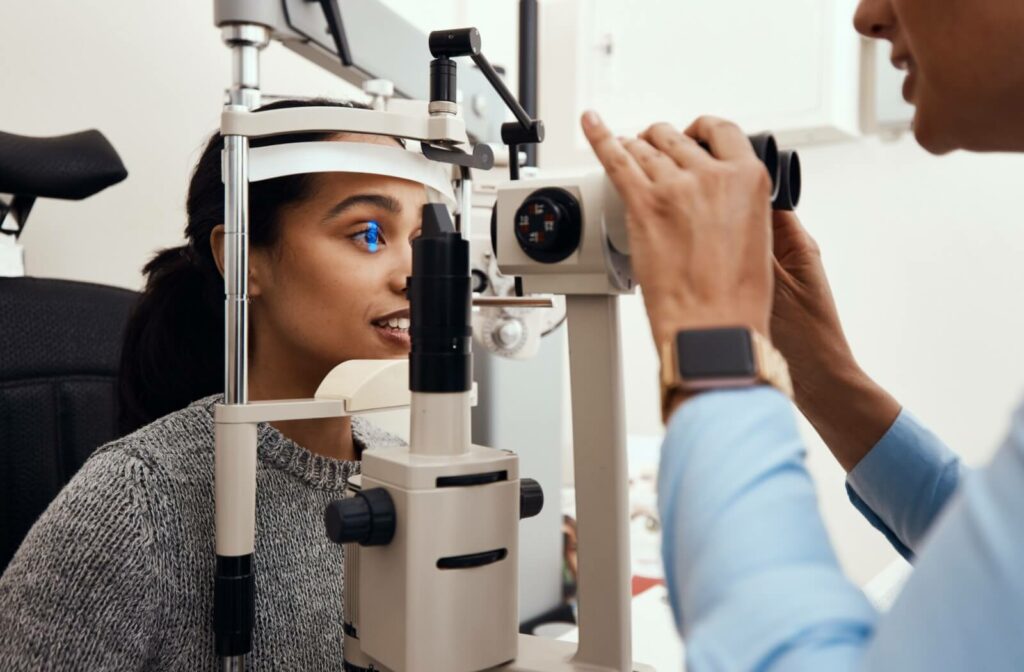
393	328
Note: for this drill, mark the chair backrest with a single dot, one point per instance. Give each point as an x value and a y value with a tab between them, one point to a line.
60	349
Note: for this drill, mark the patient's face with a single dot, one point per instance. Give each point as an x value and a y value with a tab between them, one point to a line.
328	287
965	65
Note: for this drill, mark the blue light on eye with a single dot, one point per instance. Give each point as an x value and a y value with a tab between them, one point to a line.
373	236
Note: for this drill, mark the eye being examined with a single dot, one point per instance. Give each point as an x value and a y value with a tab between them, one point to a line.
369	237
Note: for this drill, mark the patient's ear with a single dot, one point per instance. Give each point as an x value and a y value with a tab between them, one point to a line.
217	247
256	260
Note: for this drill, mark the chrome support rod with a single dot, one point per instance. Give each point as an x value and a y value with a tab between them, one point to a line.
245	42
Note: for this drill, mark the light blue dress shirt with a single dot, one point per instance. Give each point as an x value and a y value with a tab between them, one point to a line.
755	584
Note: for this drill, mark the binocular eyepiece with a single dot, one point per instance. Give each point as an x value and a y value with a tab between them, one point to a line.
784	168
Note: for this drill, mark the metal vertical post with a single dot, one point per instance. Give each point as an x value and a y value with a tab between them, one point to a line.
235	449
602	481
528	48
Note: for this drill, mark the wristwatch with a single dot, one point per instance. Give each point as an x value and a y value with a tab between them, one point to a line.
724	357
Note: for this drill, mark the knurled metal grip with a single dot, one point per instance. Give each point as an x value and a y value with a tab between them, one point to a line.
234	605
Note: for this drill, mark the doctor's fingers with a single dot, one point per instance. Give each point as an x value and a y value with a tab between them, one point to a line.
622	169
659	167
683	149
726	140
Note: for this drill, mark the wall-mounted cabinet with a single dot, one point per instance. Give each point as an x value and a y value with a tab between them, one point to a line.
791	66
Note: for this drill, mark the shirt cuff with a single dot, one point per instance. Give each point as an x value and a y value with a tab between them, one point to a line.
903	483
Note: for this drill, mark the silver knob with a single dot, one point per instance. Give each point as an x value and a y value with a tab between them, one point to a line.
509	333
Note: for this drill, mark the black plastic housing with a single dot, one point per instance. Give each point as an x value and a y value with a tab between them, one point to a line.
790	181
367	519
443	80
549	225
234	605
531	498
440	302
514	133
768	153
454	43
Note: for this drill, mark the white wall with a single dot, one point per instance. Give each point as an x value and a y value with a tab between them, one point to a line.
150	75
924	253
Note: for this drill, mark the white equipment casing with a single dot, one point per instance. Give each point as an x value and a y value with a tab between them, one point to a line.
414	615
600	264
591	277
423	127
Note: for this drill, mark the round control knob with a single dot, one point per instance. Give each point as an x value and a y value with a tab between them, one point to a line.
480	281
367	519
531	498
509	333
548	225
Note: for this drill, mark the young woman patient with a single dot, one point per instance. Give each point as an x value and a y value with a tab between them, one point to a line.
117	574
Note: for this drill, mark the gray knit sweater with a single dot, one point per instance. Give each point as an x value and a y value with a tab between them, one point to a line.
117	574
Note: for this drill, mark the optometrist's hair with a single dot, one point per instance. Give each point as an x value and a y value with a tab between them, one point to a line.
173	350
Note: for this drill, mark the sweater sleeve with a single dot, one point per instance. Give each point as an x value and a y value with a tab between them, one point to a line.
81	592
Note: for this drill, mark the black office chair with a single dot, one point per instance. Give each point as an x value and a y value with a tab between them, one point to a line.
60	341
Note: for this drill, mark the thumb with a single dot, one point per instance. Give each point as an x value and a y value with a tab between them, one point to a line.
789	235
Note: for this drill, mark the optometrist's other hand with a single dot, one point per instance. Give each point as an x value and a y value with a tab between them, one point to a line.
850	411
805	322
699	225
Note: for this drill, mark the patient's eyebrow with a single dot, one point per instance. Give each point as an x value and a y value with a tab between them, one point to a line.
378	200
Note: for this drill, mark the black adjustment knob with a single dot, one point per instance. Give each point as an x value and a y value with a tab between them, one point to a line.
531	498
548	225
367	519
454	43
480	281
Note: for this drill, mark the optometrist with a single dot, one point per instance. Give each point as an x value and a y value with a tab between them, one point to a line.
754	582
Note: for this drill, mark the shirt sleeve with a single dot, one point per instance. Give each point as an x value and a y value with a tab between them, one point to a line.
963	606
82	590
903	483
753	580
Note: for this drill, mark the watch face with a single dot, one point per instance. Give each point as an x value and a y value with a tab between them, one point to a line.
715	353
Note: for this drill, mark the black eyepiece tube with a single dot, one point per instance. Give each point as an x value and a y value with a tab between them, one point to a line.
443	81
789	181
440	304
454	43
768	153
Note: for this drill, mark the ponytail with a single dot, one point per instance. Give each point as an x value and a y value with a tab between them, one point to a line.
170	355
173	351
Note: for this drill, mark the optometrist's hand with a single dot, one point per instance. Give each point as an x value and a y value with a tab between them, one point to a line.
699	225
805	321
849	410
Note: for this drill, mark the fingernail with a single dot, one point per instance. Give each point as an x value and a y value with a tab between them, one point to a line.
591	119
